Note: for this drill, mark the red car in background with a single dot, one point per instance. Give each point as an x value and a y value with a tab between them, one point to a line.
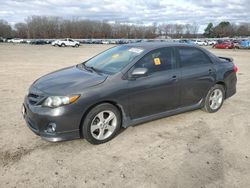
224	45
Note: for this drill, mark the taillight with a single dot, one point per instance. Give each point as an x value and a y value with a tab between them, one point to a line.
235	69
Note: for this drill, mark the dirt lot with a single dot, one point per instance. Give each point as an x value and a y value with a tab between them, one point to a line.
194	149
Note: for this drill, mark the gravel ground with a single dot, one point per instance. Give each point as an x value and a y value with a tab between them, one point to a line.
193	149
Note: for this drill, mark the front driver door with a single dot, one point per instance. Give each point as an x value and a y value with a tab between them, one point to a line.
159	91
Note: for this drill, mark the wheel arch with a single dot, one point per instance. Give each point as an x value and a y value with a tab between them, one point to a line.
216	83
115	104
223	84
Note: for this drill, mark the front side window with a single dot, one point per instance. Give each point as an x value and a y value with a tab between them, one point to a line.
191	56
157	60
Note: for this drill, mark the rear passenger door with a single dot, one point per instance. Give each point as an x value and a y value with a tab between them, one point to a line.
197	75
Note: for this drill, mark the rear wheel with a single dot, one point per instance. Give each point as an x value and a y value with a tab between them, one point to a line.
101	124
214	99
63	45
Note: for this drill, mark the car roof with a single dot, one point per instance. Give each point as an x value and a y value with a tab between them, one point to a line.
155	45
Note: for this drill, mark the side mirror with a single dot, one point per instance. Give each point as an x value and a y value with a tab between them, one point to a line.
139	72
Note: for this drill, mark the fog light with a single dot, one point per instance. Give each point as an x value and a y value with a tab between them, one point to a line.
51	128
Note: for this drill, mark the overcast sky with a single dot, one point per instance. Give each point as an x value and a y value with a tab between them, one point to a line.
132	11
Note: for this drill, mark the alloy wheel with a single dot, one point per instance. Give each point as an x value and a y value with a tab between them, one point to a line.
103	125
216	99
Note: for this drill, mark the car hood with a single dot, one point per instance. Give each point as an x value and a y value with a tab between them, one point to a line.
71	80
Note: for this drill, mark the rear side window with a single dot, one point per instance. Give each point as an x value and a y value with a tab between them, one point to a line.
157	60
192	56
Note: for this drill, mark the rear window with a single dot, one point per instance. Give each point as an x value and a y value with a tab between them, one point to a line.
192	57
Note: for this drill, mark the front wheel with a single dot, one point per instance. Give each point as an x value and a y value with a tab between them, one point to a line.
101	124
214	99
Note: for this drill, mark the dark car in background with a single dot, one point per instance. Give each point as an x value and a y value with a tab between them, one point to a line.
2	39
185	41
127	85
38	42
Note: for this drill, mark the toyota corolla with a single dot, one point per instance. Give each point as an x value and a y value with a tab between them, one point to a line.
127	85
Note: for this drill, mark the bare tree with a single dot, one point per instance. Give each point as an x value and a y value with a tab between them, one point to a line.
194	29
21	30
5	29
179	30
188	30
243	29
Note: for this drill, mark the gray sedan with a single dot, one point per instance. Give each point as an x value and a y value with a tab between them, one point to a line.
127	85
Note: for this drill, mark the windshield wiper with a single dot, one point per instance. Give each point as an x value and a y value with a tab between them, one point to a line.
92	69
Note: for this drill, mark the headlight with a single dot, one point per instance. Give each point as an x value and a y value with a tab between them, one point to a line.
56	101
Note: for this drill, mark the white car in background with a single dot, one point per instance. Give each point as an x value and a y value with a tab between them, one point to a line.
200	43
212	42
15	40
105	42
66	42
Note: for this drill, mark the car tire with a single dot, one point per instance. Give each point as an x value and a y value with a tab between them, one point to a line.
214	99
63	45
77	45
101	124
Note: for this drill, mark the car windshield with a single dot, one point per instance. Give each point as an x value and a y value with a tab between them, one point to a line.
114	59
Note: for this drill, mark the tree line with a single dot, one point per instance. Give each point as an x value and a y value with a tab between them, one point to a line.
227	29
56	27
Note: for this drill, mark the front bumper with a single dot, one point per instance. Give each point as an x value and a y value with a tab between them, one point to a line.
67	120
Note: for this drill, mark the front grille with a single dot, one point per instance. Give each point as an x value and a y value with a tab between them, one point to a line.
35	96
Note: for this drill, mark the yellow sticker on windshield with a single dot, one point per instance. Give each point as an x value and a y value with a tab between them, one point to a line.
157	61
115	56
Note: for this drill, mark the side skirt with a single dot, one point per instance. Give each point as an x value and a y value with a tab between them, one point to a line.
131	122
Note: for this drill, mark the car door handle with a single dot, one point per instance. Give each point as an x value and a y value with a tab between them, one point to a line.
174	78
210	71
